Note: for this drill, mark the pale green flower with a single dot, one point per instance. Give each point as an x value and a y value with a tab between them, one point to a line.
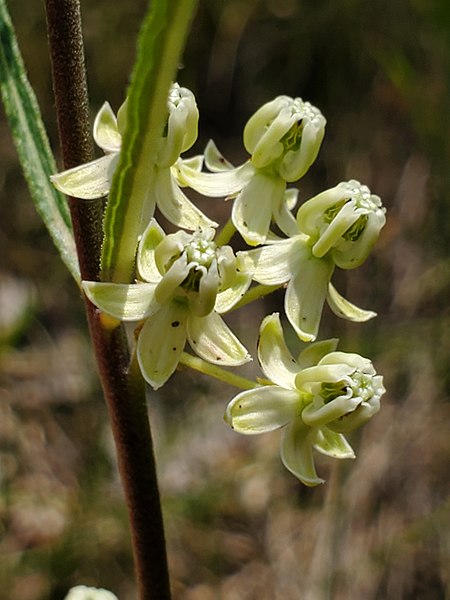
283	138
344	221
93	180
185	283
82	592
337	227
317	397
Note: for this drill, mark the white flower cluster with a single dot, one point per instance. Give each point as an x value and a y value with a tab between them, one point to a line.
185	281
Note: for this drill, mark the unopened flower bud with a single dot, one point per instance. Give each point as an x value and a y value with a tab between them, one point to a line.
181	128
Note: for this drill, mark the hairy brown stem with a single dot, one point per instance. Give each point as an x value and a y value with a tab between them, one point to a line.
122	384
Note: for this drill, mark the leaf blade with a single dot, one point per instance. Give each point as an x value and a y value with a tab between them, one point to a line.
32	144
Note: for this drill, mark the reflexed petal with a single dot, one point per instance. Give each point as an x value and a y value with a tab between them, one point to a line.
215	185
213	341
147	267
262	409
276	263
345	309
127	302
231	295
161	342
89	181
274	357
106	133
214	159
175	205
194	162
291	198
305	296
284	218
296	452
253	208
314	352
333	444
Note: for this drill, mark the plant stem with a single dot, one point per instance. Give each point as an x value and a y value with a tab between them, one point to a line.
122	384
70	88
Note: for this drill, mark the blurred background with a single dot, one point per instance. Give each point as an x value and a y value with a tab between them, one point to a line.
239	526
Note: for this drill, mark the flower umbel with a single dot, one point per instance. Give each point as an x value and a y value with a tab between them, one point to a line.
318	397
336	228
185	282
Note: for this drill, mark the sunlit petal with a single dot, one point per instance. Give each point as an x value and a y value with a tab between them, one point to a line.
215	185
345	309
262	409
127	302
316	351
297	454
175	205
212	340
106	133
274	357
333	444
214	159
233	293
305	296
89	181
161	342
252	209
147	266
275	264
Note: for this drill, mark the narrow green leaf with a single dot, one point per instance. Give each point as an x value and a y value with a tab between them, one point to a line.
32	144
160	45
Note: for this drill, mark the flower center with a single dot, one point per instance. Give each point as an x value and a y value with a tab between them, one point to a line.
303	111
357	385
201	252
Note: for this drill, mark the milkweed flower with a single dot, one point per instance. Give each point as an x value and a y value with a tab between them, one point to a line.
186	283
317	399
93	180
335	228
283	138
82	592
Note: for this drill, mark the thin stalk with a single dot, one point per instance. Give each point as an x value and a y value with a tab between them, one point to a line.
122	384
256	292
200	365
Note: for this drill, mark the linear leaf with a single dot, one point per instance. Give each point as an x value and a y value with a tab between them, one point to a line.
32	144
160	45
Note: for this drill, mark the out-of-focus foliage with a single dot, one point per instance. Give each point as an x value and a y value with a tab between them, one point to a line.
238	525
